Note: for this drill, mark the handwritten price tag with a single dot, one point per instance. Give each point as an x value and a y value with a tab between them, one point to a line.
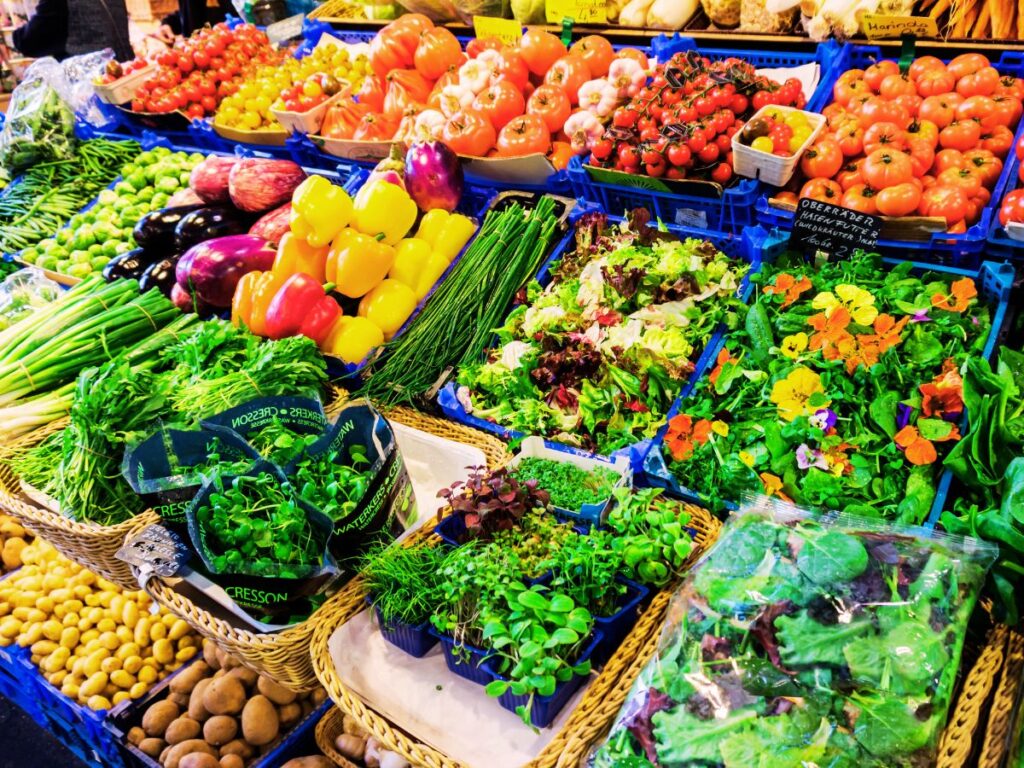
833	230
285	29
580	11
878	26
506	30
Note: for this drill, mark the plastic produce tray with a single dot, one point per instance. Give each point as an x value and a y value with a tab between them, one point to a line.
962	250
734	210
1000	245
13	685
745	246
994	281
297	742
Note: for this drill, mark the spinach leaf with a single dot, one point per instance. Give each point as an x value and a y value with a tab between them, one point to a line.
905	660
802	640
832	557
888	726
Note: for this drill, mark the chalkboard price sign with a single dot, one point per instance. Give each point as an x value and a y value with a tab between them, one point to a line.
833	230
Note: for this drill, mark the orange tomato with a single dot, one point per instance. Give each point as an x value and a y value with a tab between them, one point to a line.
437	51
524	135
898	200
860	197
597	52
876	73
561	154
824	190
960	134
824	159
886	168
924	63
552	104
469	132
540	50
568	73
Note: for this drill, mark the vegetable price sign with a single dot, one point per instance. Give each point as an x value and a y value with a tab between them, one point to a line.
833	230
580	11
506	30
879	26
285	29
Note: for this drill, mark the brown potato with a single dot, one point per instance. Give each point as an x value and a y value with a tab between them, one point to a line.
210	654
314	761
136	735
246	675
260	724
196	710
182	729
220	729
199	760
232	761
181	699
289	714
178	751
186	680
158	717
239	747
276	693
318	696
224	696
152	747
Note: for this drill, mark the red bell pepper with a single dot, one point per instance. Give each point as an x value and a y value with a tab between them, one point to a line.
301	306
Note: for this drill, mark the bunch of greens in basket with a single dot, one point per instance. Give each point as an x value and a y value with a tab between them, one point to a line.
570	487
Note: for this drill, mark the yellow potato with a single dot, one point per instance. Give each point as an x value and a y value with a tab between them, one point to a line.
69	637
163	650
132	664
95	684
110	664
98	702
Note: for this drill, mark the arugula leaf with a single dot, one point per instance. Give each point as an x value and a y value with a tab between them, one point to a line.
883	411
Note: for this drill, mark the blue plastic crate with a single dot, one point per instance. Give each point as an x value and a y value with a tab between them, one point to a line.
1000	245
474	202
994	281
465	661
414	639
734	210
961	250
745	246
614	628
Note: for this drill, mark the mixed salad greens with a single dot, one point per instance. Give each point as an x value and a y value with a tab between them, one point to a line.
797	642
597	357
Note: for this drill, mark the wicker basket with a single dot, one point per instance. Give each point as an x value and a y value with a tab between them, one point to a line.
1001	712
284	656
89	544
602	700
327	730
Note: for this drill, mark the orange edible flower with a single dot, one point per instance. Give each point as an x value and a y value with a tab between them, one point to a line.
791	287
773	486
960	294
721	360
831	336
943	395
683	435
920	450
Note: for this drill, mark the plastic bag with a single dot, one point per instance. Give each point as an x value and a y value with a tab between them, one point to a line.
23	293
40	126
80	72
802	641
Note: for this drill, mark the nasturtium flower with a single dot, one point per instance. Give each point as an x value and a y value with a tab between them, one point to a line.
793	345
943	396
959	299
720	428
747	458
918	450
773	486
792	394
807	457
684	435
855	300
790	287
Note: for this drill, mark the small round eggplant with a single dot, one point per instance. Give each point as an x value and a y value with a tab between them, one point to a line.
208	223
155	230
129	265
160	276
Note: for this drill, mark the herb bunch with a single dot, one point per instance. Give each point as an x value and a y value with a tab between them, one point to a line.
492	501
569	486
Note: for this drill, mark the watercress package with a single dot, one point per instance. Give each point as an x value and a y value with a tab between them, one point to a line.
259	541
799	641
168	468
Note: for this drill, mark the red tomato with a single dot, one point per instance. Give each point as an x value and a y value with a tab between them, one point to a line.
569	73
860	197
824	190
966	64
896	85
938	109
722	173
998	141
949	203
540	50
884	136
924	63
524	135
1012	208
935	82
960	134
850	175
964	178
876	73
468	132
500	103
899	199
1020	147
597	52
437	51
551	104
986	164
947	158
981	83
878	110
1006	110
979	108
922	156
1010	86
886	168
823	159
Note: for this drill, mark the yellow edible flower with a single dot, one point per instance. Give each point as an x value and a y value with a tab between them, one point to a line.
792	393
793	345
858	302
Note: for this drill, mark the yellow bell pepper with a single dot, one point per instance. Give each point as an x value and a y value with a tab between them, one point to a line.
431	223
429	274
384	210
352	339
388	306
297	255
359	264
340	241
319	211
453	235
411	255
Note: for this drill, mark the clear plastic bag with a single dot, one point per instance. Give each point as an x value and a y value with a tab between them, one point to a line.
799	641
40	126
22	293
80	72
